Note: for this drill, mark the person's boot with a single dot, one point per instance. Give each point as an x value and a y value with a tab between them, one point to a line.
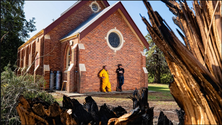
117	89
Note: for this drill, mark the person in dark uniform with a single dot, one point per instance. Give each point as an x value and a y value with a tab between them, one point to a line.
120	76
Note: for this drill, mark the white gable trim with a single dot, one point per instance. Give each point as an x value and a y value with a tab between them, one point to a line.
145	70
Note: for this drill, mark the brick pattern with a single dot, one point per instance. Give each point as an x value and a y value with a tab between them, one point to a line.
32	55
47	79
70	76
63	29
39	45
98	53
26	56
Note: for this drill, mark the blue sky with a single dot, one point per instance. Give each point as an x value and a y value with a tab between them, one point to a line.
47	11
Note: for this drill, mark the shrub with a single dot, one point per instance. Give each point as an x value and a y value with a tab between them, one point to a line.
150	79
12	86
166	78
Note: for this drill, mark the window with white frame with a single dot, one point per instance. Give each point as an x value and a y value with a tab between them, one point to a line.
114	39
95	7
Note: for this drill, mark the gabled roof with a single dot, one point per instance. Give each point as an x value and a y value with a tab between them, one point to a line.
63	16
67	13
95	19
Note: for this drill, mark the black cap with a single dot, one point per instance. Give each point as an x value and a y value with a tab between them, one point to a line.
119	65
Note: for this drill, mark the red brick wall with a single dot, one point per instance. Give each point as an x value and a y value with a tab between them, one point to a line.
47	79
71	76
32	55
64	46
70	23
39	46
97	53
26	56
56	49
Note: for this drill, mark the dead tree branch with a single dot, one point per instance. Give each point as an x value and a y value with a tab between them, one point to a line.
197	65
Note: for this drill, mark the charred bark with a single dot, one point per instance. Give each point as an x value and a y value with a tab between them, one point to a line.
163	120
36	111
141	114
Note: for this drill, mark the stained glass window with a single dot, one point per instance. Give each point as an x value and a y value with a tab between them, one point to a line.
114	40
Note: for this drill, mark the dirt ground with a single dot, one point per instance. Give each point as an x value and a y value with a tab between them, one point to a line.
167	106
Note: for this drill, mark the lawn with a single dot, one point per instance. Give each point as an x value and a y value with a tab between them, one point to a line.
162	92
159	87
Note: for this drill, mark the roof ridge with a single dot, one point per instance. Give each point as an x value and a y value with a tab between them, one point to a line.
92	18
70	7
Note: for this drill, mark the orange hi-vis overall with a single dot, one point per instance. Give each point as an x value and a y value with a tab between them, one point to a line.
105	80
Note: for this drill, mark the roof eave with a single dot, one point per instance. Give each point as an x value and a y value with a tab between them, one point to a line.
64	16
68	13
70	37
105	3
120	6
136	29
31	39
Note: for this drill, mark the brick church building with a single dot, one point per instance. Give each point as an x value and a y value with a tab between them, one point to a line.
85	37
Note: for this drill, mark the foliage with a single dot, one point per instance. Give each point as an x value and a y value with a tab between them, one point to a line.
14	23
40	94
12	86
166	77
156	64
150	78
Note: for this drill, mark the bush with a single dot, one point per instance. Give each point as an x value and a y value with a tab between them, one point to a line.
40	94
166	78
12	87
150	79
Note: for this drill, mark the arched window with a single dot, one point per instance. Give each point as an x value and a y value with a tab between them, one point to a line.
68	58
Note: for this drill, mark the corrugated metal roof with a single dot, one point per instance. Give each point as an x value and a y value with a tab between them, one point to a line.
88	22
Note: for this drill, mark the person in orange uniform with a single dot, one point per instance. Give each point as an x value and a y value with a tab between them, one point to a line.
105	79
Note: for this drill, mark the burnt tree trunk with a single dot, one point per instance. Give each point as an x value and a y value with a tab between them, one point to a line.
197	65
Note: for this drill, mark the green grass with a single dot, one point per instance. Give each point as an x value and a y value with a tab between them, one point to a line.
59	99
162	92
159	87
